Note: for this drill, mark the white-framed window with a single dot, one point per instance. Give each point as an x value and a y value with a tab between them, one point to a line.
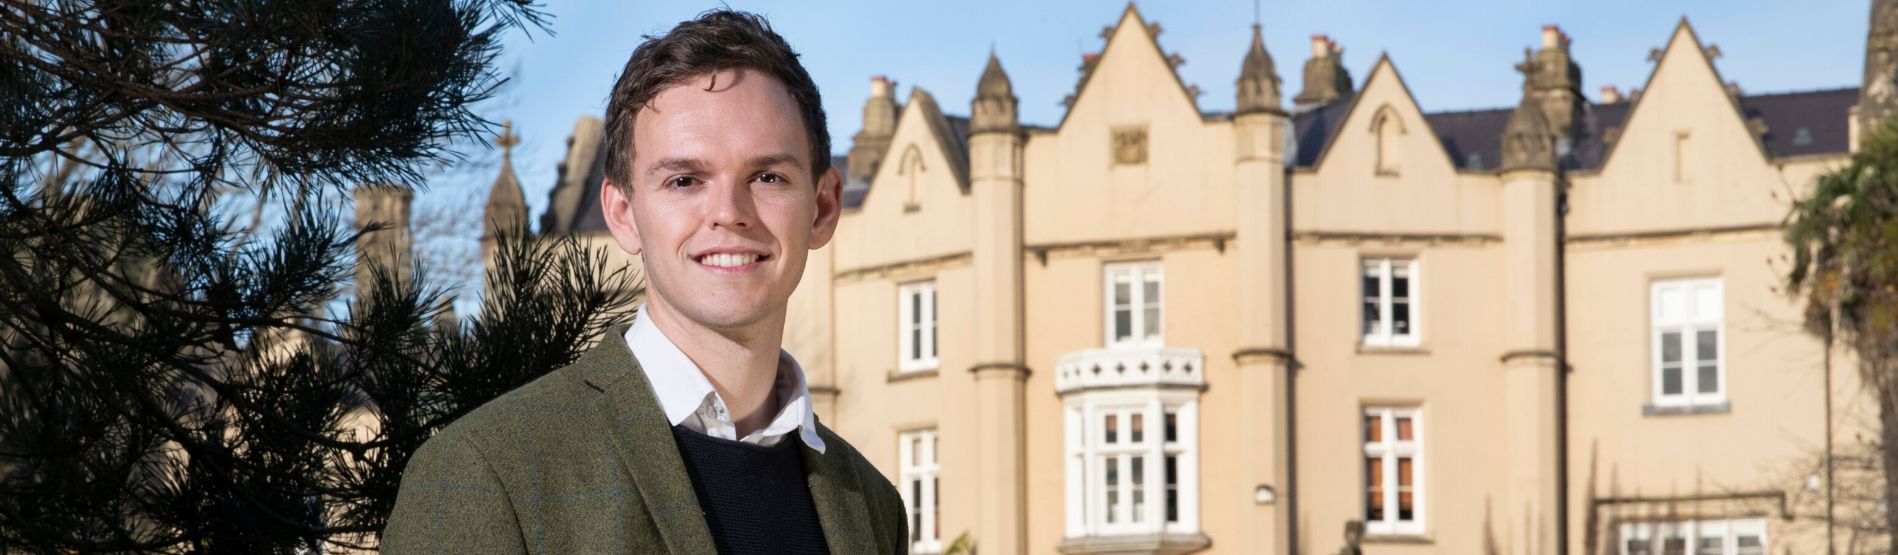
916	333
1393	471
1132	465
1389	302
922	488
1133	303
1743	536
1687	342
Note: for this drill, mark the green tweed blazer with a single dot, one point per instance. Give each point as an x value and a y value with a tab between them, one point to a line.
582	460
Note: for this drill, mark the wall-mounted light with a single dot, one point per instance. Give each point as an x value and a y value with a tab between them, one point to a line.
1264	495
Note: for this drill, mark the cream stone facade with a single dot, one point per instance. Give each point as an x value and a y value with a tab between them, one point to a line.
1552	328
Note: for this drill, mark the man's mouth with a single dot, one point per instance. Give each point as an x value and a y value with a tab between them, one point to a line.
730	260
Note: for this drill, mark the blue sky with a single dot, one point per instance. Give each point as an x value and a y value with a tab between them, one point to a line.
1453	55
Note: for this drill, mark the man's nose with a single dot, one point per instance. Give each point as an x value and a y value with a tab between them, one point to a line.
729	205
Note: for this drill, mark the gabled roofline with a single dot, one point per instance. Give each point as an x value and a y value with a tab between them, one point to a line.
1383	59
1732	102
1088	78
939	131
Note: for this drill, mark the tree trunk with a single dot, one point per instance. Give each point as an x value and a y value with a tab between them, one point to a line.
1888	436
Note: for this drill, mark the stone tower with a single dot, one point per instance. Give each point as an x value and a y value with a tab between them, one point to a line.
1878	95
872	143
995	180
1326	79
507	205
1533	359
1264	357
1553	82
387	206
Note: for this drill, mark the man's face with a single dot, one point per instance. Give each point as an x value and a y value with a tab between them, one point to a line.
723	207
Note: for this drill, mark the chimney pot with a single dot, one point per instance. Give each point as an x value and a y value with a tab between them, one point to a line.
1320	46
880	86
1552	36
1610	95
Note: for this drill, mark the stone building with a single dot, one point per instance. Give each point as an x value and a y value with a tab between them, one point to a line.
1546	328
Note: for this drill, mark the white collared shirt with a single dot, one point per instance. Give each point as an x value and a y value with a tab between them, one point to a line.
689	399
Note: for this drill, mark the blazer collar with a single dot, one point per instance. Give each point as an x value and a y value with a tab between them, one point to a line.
642	435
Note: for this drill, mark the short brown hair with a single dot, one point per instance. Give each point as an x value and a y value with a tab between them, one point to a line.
717	40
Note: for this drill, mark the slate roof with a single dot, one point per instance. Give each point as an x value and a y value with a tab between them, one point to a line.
1797	124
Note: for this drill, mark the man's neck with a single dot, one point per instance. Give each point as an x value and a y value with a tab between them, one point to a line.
742	364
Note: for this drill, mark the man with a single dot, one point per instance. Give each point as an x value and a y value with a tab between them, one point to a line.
691	430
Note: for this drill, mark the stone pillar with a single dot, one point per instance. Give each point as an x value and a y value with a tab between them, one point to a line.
1532	365
1264	361
995	147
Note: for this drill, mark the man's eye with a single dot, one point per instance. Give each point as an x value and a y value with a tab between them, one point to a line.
680	181
768	177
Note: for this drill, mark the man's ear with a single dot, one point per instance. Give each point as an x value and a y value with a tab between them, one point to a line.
617	206
830	205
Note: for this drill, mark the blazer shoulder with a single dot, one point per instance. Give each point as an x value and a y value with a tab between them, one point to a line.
498	423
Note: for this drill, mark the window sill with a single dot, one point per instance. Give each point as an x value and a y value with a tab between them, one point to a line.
907	375
1652	409
1364	349
1155	543
1399	539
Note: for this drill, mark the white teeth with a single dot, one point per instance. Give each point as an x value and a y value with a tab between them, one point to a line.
728	260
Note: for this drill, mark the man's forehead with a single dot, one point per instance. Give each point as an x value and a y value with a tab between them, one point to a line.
677	118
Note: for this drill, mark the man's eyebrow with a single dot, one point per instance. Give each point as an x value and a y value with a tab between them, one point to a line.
676	164
779	159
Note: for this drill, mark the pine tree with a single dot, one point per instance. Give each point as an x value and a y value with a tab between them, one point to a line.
182	365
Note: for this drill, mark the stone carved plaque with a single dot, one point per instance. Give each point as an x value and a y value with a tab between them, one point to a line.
1130	145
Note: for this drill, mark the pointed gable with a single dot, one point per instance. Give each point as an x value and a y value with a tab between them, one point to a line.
1685	158
1131	64
927	147
1685	96
1384	132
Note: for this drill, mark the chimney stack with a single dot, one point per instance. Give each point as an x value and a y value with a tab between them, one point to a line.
1326	79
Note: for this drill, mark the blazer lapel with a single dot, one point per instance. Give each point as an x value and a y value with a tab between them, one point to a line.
643	438
837	491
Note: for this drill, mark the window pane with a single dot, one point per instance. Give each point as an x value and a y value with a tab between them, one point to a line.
1706	304
1136	431
1674	546
1670	347
1172	428
1639	547
1400	317
915	450
1123	294
916	511
1113	490
1709	376
1706	346
1373	429
935	508
1713	545
1113	428
1152	320
1671	381
1670	303
1123	324
1151	291
1172	489
1405	510
1374	490
1404	432
1135	472
915	343
915	307
1373	293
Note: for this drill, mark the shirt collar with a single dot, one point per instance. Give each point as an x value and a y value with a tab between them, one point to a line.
682	387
